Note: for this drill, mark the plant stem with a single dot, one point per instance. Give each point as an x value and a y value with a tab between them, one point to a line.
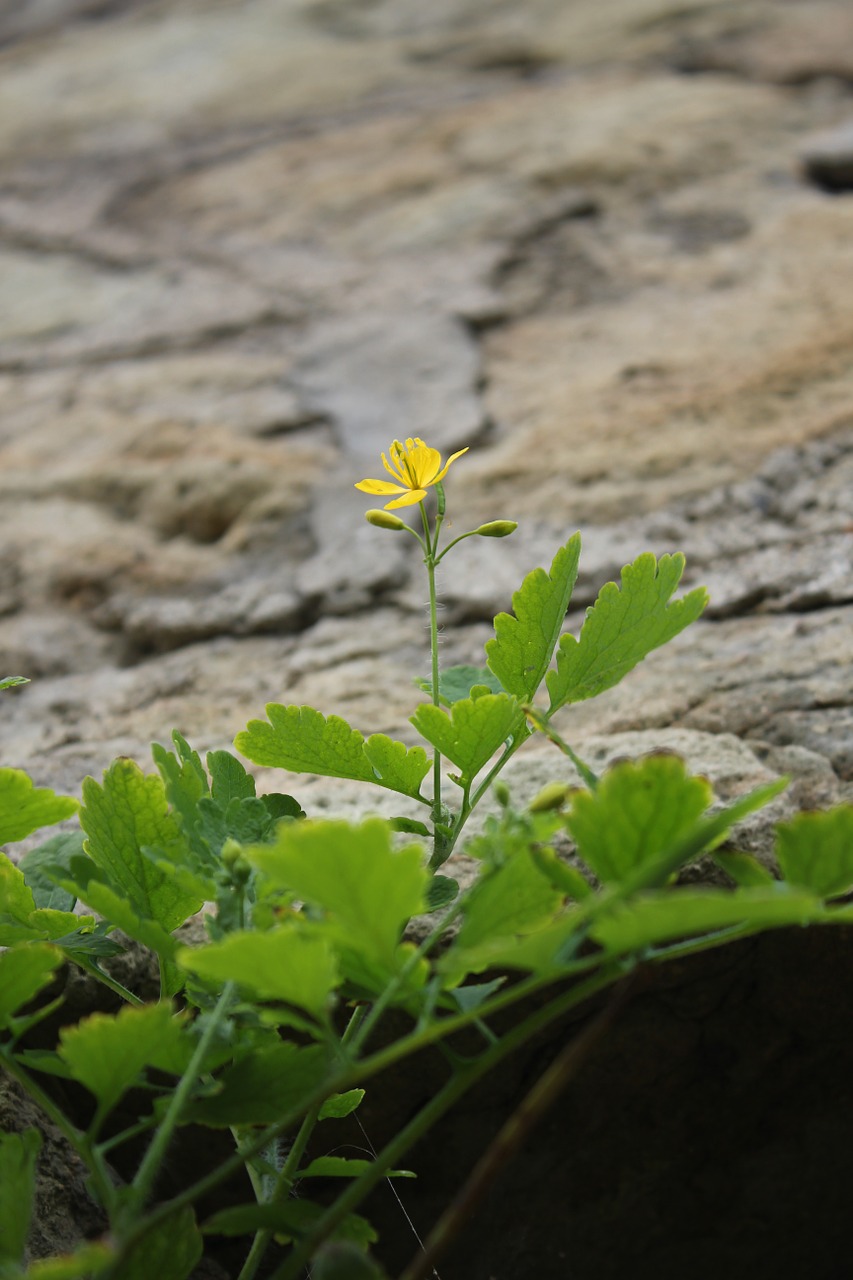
470	805
459	1083
358	1073
429	561
284	1182
106	981
514	1132
153	1158
378	1008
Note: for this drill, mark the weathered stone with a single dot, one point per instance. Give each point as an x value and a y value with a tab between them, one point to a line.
828	159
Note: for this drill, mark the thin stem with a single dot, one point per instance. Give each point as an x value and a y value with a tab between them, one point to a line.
153	1158
430	563
107	981
470	805
370	1019
356	1074
514	1133
543	724
284	1182
458	1084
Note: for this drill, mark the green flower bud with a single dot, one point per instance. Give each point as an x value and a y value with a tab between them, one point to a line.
552	796
384	520
501	792
497	529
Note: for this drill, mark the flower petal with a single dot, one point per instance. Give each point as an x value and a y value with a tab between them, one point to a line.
393	468
446	466
408	499
424	463
379	486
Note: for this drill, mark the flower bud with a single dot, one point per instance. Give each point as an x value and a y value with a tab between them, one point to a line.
501	793
384	519
552	796
497	529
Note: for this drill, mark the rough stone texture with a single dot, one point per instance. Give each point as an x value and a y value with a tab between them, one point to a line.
242	247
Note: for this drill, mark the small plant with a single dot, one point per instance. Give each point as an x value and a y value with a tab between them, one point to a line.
268	1029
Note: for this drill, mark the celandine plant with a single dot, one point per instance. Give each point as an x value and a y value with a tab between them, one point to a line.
269	1028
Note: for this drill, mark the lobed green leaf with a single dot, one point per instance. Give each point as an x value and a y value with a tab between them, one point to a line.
366	888
302	740
290	1219
107	1052
457	682
524	641
262	1087
287	963
473	730
638	811
815	851
121	818
655	918
25	808
170	1250
24	970
622	627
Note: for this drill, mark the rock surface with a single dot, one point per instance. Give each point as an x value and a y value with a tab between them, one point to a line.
243	247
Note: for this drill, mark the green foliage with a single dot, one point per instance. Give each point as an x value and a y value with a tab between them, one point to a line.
815	851
473	731
284	1009
258	1088
295	965
122	818
622	627
458	682
524	641
18	1155
107	1053
365	889
648	920
302	740
24	970
25	808
637	812
169	1250
9	681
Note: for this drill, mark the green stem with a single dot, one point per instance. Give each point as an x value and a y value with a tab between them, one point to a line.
370	1019
514	1133
287	1174
470	805
153	1158
459	1083
105	980
351	1076
430	562
543	724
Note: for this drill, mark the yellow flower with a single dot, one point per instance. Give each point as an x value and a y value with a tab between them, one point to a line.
415	468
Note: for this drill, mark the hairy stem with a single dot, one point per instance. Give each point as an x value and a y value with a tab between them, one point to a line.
429	561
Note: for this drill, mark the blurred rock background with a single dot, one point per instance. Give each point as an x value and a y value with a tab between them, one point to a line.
244	245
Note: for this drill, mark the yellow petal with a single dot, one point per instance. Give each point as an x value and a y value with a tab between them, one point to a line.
394	470
379	486
408	499
446	467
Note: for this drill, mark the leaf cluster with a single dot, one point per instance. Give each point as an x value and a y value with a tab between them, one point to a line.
273	1021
